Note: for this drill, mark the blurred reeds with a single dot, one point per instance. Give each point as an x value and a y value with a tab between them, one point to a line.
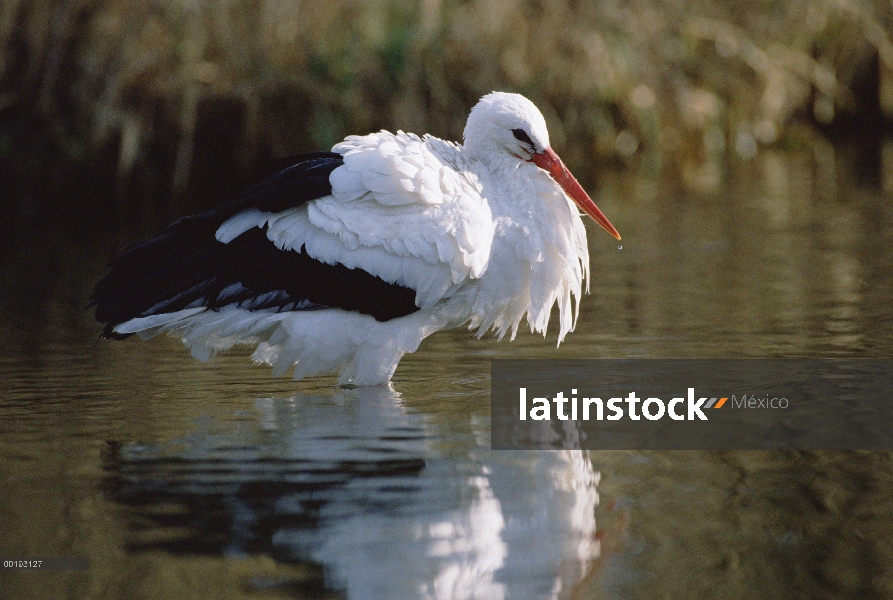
151	94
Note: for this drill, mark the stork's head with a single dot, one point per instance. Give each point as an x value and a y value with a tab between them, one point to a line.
506	126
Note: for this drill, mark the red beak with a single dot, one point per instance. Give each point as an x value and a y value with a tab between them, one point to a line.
548	161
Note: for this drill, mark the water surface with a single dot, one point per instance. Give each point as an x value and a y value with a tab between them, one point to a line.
184	480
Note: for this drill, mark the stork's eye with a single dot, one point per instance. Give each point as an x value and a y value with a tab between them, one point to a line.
522	136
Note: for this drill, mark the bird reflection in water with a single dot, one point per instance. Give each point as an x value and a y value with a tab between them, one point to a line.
386	504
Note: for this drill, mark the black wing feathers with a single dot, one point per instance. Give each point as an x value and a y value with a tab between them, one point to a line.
319	285
305	180
185	266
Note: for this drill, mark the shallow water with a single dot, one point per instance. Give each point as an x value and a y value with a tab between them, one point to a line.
184	480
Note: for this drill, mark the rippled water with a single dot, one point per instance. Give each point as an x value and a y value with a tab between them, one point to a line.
184	480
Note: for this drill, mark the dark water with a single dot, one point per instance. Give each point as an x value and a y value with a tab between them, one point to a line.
184	480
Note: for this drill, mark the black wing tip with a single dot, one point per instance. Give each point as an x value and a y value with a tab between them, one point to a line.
308	159
109	333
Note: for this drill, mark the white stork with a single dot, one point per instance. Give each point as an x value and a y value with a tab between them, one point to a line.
346	260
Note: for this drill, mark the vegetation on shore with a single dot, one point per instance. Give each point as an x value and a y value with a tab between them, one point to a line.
153	94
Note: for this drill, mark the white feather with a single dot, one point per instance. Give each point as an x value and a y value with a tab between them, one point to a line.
240	223
144	323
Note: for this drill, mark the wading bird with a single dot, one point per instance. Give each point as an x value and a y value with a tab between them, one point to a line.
346	260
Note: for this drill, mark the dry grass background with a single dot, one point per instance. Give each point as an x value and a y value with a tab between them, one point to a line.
159	86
